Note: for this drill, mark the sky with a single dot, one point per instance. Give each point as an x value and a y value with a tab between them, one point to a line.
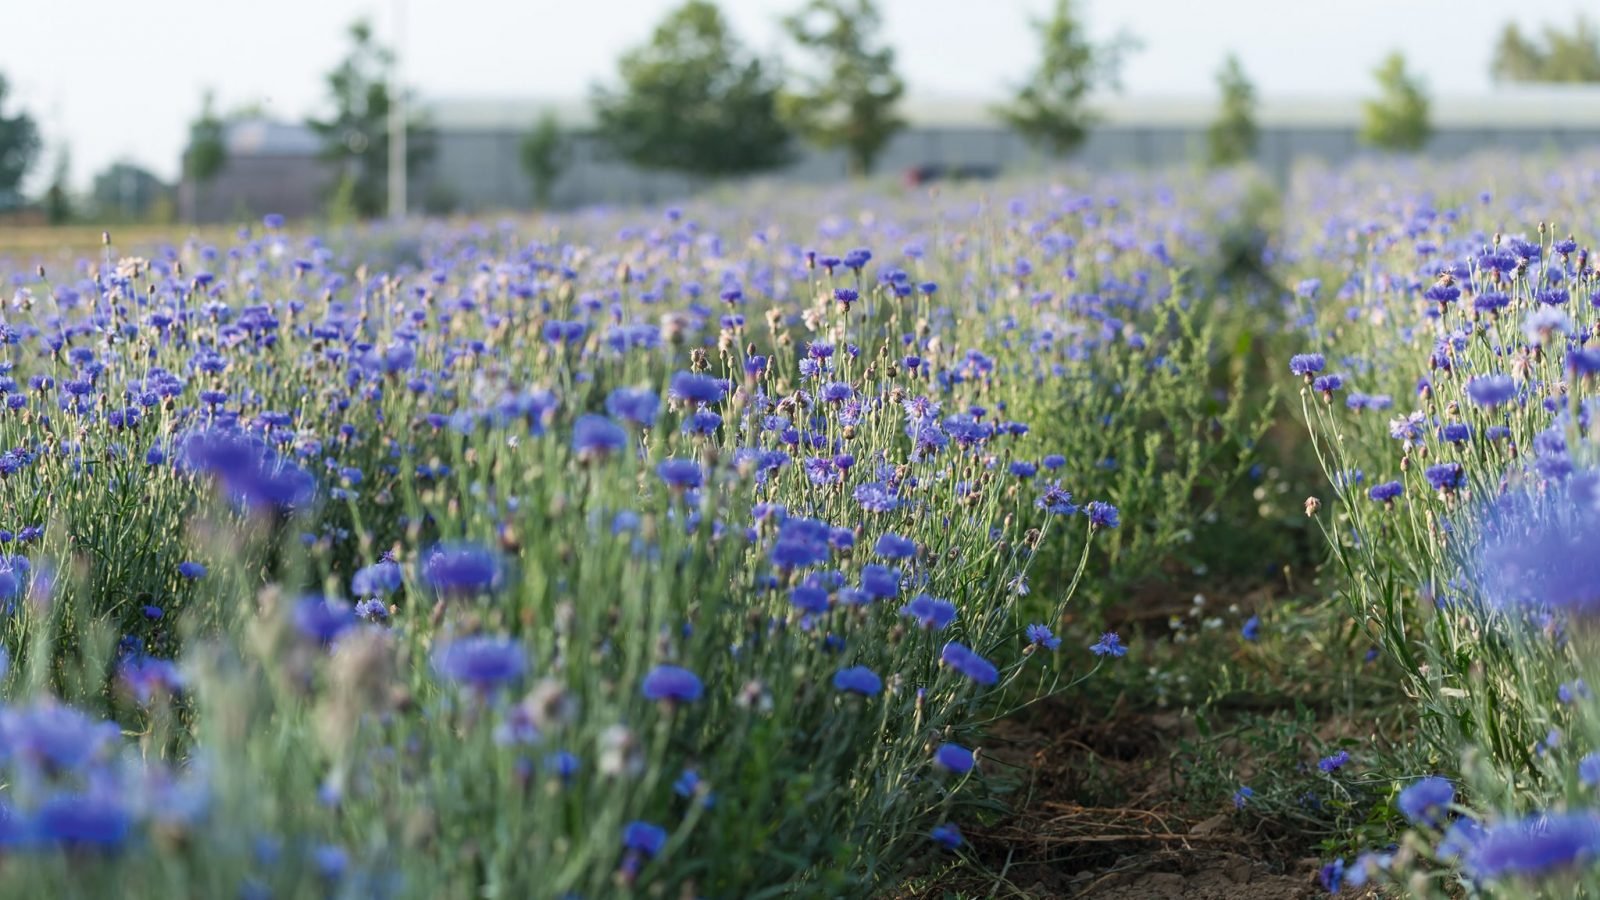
116	80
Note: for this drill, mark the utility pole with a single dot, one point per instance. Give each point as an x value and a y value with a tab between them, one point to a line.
397	119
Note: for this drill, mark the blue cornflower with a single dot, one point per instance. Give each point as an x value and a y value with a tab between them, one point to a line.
1102	515
1426	801
965	660
858	680
645	838
1307	364
932	612
680	474
637	405
880	582
1589	769
191	570
1447	476
1333	763
1242	796
1534	846
1252	628
322	618
1056	501
462	569
673	684
381	578
1110	644
893	546
595	437
1386	492
484	664
953	758
1332	876
947	835
694	388
1041	635
1492	390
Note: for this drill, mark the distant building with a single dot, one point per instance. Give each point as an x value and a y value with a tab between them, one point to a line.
270	167
475	168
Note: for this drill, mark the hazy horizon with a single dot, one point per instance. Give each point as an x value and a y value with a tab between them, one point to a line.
119	86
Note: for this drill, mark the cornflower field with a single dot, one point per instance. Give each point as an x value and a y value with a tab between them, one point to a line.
1159	535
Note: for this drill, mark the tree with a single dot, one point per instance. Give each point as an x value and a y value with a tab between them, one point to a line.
57	201
1051	110
206	153
545	155
692	101
850	101
126	192
356	137
1232	137
1398	118
1561	57
19	148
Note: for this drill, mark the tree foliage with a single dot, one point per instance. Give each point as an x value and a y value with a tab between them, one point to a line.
1557	56
1399	117
1232	136
849	100
206	153
19	149
692	100
1051	109
356	137
126	192
544	155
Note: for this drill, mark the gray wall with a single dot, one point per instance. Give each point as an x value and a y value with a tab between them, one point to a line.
477	171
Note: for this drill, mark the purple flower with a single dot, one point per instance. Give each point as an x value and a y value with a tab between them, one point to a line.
963	659
51	734
146	676
191	570
322	618
637	405
1386	492
379	579
484	664
1110	644
1332	876
595	437
1333	763
680	474
1307	364
1327	384
1426	801
1446	477
1252	629
643	837
694	388
463	569
1242	796
947	835
1041	635
809	598
893	546
1055	501
953	758
858	680
1534	846
1492	390
672	684
1102	515
932	612
880	582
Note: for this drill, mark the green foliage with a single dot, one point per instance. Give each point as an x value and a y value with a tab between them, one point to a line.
57	199
1561	56
691	100
545	153
206	154
849	102
19	148
1051	109
125	192
1232	137
1398	118
355	138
